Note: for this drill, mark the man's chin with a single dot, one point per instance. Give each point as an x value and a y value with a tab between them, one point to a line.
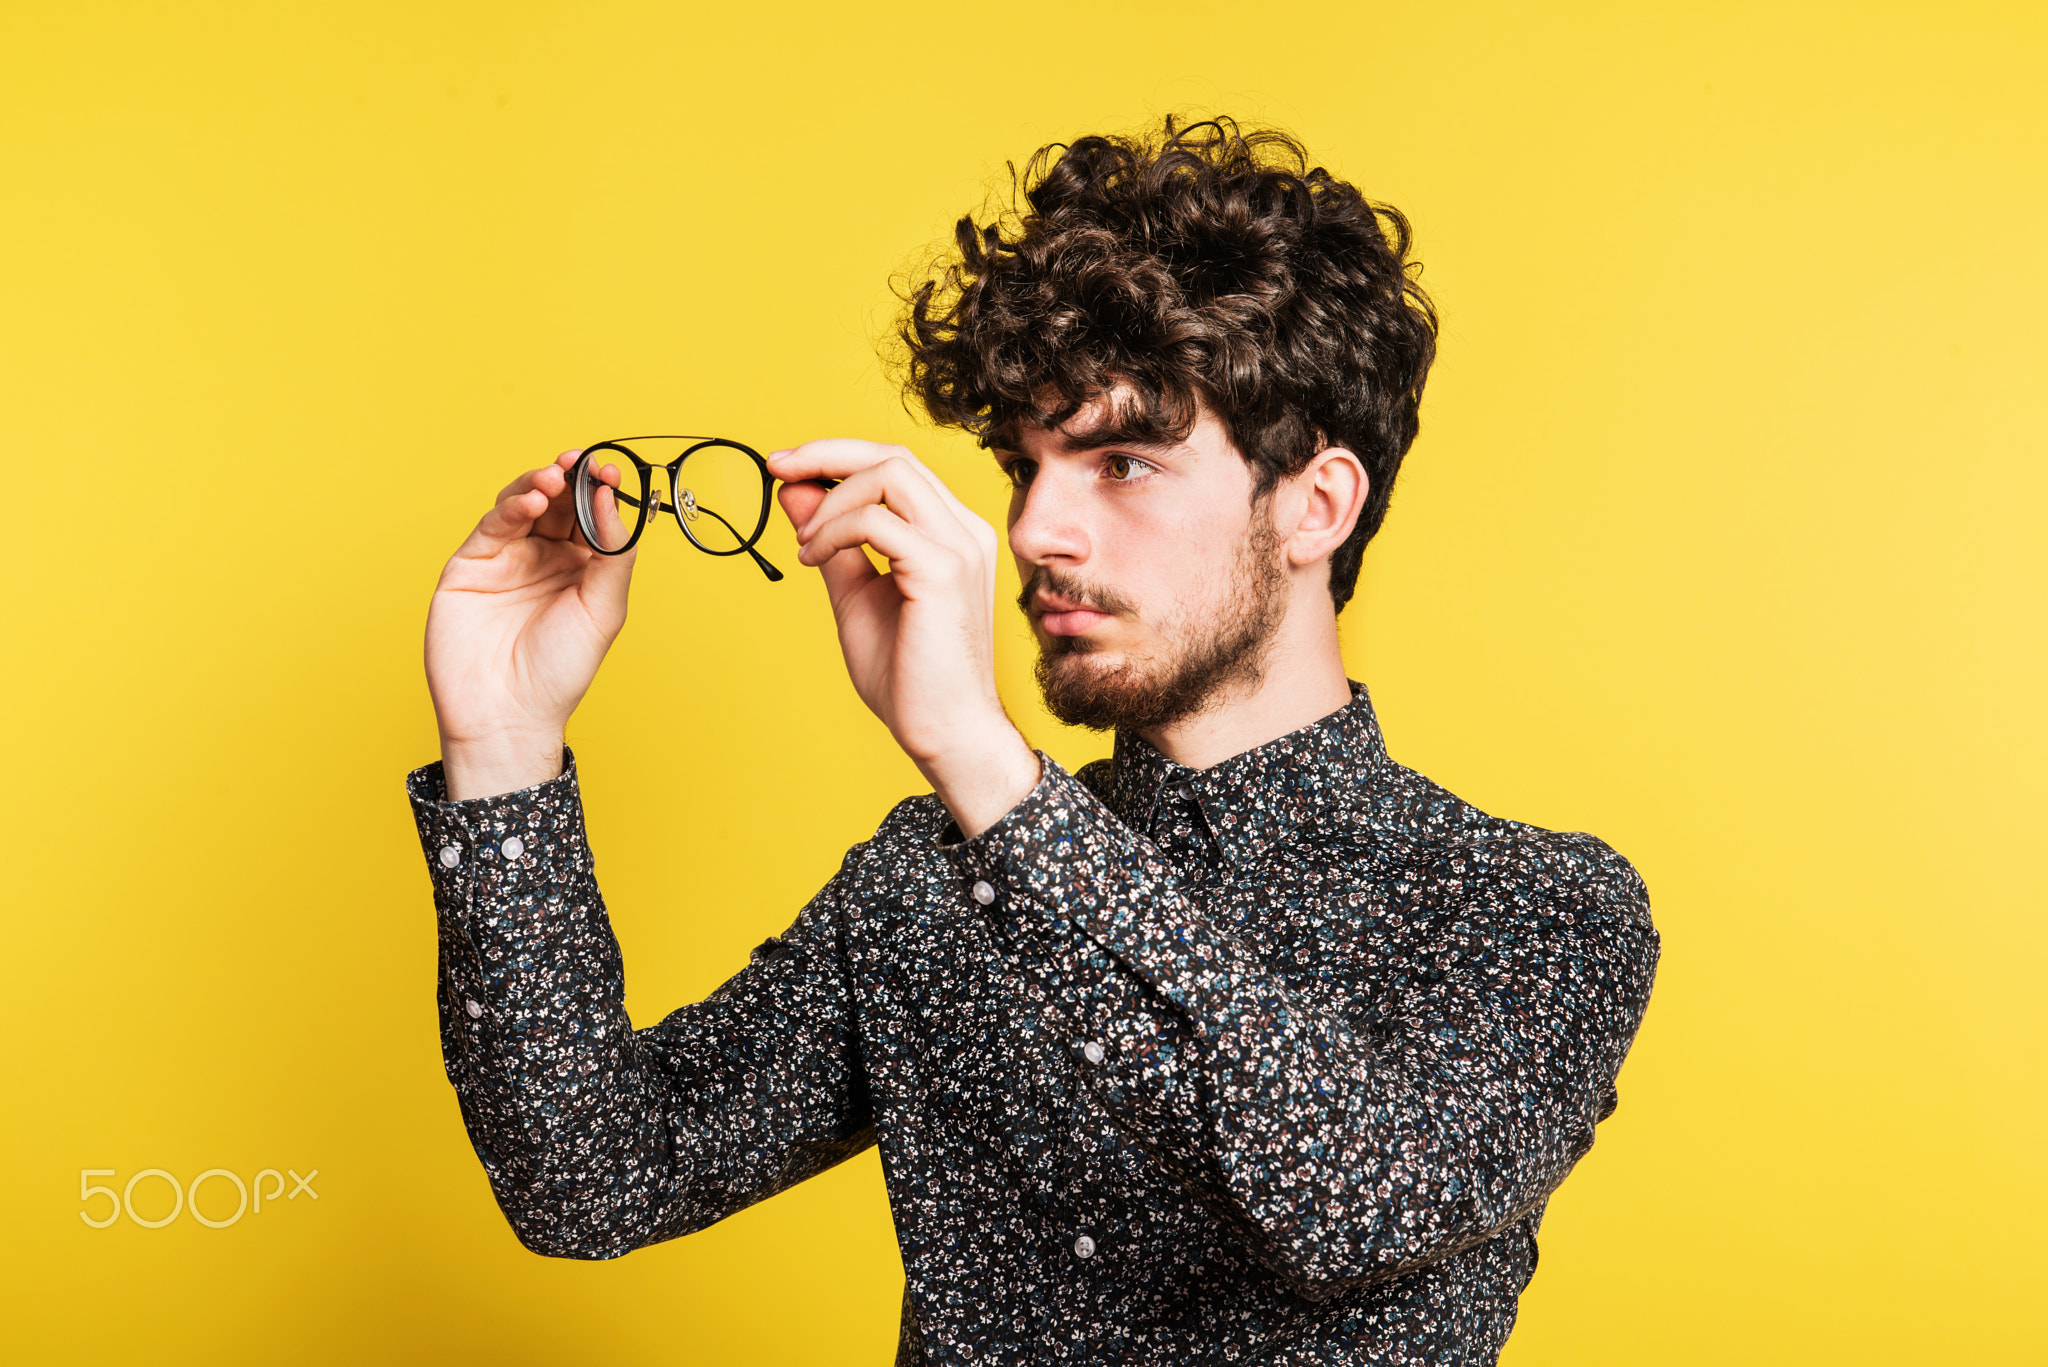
1051	647
1078	659
1094	687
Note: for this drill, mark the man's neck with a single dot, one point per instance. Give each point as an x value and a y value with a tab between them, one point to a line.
1303	680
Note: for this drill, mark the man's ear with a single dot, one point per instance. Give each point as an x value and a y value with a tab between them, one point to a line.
1322	505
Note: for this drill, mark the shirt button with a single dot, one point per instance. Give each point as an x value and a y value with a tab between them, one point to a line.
474	1010
983	893
1093	1052
1084	1247
450	856
513	847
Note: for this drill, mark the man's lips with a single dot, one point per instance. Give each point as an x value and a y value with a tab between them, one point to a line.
1076	623
1066	616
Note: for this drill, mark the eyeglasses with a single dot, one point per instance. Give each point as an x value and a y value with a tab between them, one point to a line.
717	489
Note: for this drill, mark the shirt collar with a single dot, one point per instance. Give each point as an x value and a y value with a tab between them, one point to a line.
1257	799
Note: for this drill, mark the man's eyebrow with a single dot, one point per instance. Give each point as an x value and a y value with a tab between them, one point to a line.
1113	433
1133	434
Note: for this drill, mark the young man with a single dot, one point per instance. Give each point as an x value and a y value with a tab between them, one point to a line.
1248	1044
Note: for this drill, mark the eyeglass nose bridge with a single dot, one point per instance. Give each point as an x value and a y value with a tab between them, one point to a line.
682	500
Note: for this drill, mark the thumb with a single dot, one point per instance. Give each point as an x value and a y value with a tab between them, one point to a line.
606	580
799	501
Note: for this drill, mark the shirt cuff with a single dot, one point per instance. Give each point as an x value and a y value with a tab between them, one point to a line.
1041	855
493	849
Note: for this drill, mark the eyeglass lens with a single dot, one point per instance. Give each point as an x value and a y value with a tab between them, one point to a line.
611	499
720	498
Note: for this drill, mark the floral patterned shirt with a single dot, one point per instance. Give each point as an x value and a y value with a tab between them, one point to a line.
1275	1062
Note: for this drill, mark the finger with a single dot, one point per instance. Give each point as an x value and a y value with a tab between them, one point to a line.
843	459
606	580
556	519
559	521
519	485
510	519
551	478
846	574
891	484
799	501
901	486
612	520
876	454
908	549
829	458
960	510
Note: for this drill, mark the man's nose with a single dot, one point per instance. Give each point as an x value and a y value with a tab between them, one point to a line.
1048	521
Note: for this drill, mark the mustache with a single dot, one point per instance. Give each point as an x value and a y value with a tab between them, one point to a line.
1072	588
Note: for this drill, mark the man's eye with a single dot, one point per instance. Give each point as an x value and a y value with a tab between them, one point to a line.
1021	471
1125	467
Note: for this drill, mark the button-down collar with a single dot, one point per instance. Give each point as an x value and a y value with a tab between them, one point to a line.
1262	797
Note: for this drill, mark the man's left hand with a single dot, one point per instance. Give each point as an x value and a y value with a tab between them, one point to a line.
919	641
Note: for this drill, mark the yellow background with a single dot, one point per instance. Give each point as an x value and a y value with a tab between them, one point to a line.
1723	540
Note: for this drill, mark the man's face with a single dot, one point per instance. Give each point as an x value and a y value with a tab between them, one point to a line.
1152	579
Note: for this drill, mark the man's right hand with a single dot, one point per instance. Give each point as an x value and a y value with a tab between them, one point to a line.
520	622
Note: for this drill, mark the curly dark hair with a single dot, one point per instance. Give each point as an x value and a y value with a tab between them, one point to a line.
1203	261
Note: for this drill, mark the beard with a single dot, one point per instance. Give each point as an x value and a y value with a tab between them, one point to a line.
1204	656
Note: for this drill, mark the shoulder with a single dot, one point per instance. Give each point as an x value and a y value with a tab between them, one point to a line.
1460	853
1557	878
1556	916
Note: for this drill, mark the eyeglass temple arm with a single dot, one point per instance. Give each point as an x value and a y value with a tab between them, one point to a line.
774	575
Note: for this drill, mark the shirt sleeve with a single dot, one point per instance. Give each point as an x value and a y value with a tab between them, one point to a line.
599	1138
1344	1149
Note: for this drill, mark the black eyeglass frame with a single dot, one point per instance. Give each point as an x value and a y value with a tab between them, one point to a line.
585	470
